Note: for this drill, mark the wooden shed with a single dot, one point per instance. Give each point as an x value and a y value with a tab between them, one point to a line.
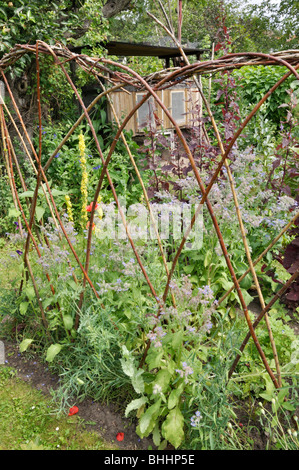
180	100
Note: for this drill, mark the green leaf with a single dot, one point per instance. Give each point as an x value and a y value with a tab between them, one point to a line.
14	213
149	416
156	435
24	344
68	322
188	269
52	351
162	379
177	339
154	358
225	284
135	405
23	307
137	382
73	284
288	406
26	194
174	397
39	212
266	396
29	291
58	192
247	297
208	258
173	427
128	367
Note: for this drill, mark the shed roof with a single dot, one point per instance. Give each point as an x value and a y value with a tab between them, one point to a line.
138	49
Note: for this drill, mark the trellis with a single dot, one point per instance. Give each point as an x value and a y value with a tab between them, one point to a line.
112	76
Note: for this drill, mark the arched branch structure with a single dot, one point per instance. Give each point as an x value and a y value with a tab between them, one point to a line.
113	76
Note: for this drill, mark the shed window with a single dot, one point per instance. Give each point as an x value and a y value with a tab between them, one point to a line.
178	106
145	112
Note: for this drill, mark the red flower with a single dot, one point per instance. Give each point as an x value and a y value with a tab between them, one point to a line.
89	208
93	225
73	410
120	436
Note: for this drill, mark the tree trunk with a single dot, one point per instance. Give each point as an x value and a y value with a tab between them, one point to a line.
112	7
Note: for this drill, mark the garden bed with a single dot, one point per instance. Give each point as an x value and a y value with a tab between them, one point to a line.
107	420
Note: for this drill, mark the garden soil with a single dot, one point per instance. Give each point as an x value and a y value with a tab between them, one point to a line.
107	420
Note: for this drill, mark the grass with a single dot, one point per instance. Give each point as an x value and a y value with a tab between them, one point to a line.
28	421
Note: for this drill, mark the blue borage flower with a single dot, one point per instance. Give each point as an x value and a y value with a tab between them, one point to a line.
185	372
195	419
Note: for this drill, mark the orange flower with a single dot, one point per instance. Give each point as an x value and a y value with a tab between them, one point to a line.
73	410
120	436
93	225
89	208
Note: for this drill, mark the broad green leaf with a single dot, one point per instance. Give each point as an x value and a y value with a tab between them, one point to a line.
154	358
266	396
208	258
128	367
288	406
68	322
135	405
26	194
23	307
52	351
24	344
162	379
225	284
58	192
174	397
39	212
30	292
14	213
48	301
189	268
150	415
137	382
72	284
247	297
173	427
177	339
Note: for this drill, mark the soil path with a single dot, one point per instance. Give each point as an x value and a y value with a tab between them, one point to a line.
108	419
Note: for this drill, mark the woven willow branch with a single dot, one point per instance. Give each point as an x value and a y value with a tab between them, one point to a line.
116	76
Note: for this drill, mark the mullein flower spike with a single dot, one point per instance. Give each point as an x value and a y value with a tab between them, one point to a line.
84	179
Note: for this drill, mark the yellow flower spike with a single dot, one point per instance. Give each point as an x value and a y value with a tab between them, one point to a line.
81	144
69	207
84	179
